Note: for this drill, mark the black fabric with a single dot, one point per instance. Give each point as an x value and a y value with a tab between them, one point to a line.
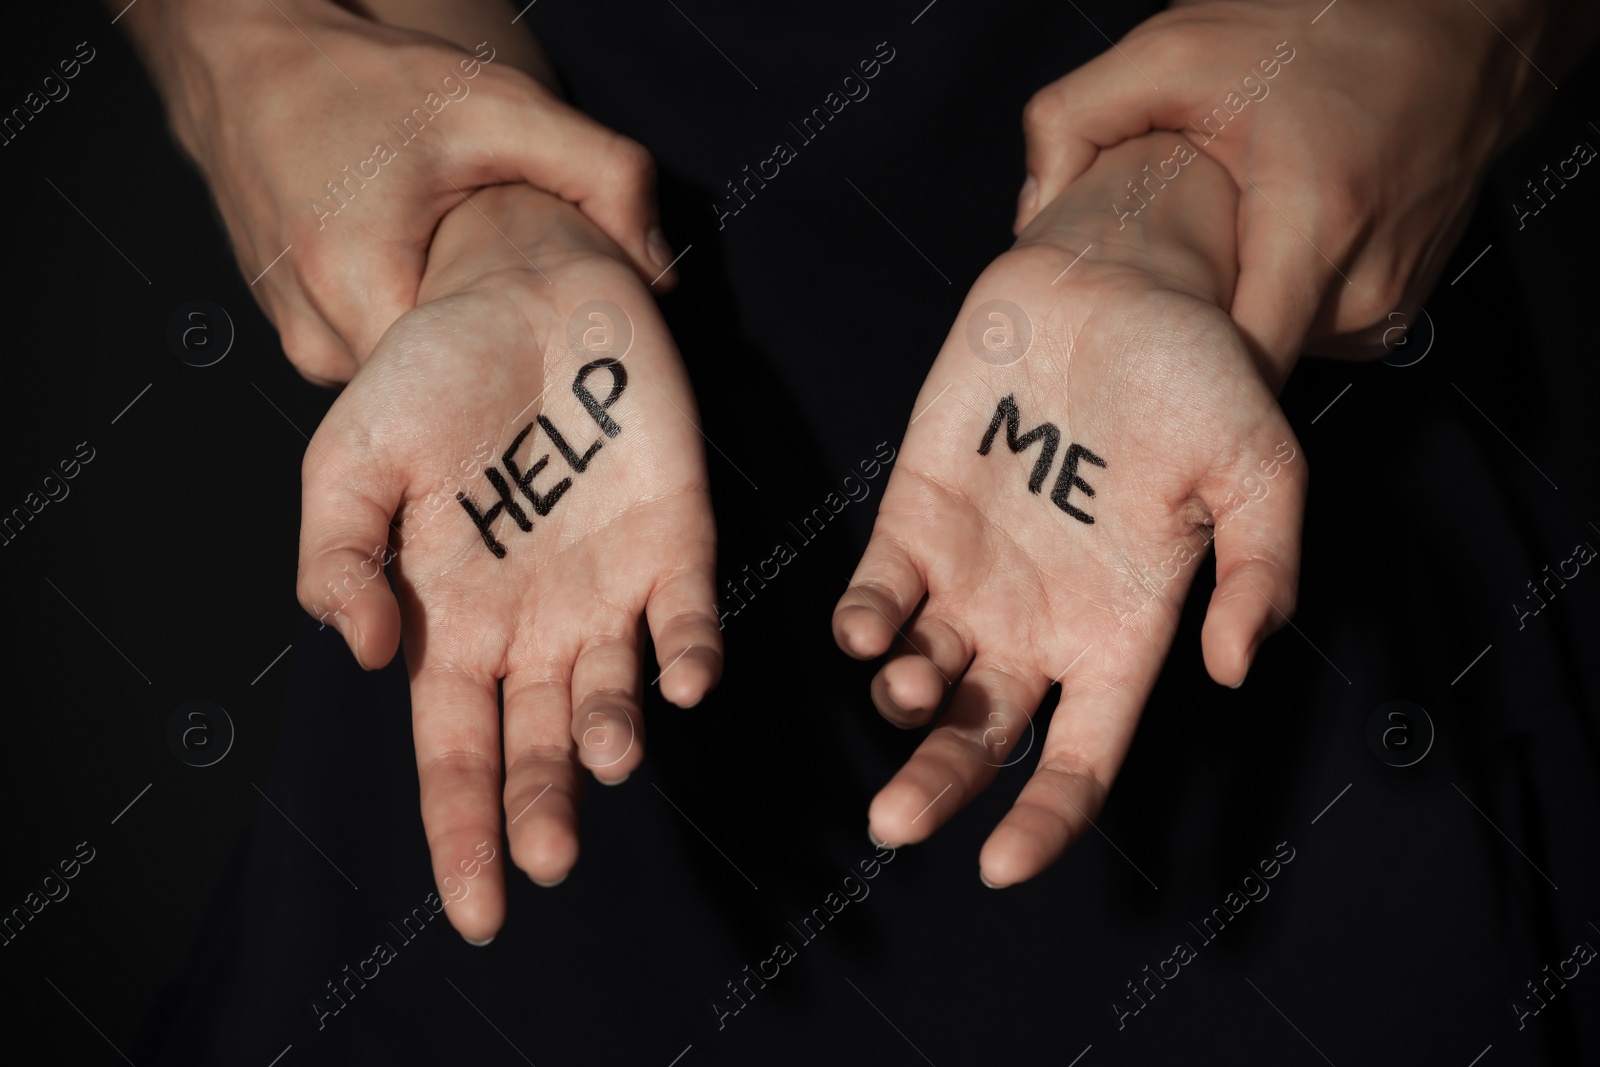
1415	903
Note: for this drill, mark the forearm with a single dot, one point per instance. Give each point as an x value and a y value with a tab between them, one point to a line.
1521	49
189	45
467	23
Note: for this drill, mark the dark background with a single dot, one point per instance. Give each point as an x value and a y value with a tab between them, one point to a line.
205	924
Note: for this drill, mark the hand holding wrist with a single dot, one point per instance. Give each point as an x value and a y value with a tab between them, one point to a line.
1155	205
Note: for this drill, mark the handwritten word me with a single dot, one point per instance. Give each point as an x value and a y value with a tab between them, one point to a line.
1047	432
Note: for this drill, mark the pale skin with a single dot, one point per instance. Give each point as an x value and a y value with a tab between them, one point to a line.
1366	154
1357	162
273	101
967	571
553	629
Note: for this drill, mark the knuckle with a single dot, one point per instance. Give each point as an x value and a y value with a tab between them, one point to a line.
1343	210
631	163
461	762
1171	43
535	755
1371	301
305	589
1075	766
314	354
1045	111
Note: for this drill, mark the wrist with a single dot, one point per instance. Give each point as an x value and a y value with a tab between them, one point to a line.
1155	205
506	230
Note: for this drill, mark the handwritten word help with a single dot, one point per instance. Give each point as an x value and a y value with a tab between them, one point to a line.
542	503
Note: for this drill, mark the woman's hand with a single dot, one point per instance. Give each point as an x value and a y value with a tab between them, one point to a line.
523	450
1357	143
339	143
1092	422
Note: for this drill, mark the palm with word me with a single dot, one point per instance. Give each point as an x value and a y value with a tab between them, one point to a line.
474	410
1021	571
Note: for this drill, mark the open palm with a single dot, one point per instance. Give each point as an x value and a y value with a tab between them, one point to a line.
1074	445
532	435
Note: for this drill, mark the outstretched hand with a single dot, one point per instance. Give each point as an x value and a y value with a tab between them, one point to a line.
531	434
1093	421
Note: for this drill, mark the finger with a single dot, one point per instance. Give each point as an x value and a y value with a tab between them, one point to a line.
1397	285
364	289
988	723
346	502
1102	103
886	588
610	177
316	351
682	613
930	657
607	726
454	719
1282	278
1258	563
543	780
1088	738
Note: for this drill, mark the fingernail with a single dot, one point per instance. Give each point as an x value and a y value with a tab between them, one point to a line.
613	781
548	885
655	243
873	838
1028	199
477	944
988	883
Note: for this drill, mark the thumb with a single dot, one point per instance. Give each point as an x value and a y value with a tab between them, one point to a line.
1257	511
611	178
1283	279
1102	103
344	545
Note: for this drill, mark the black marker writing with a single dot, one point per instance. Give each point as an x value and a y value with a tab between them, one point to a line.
597	409
575	461
542	503
1007	412
482	520
1069	478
